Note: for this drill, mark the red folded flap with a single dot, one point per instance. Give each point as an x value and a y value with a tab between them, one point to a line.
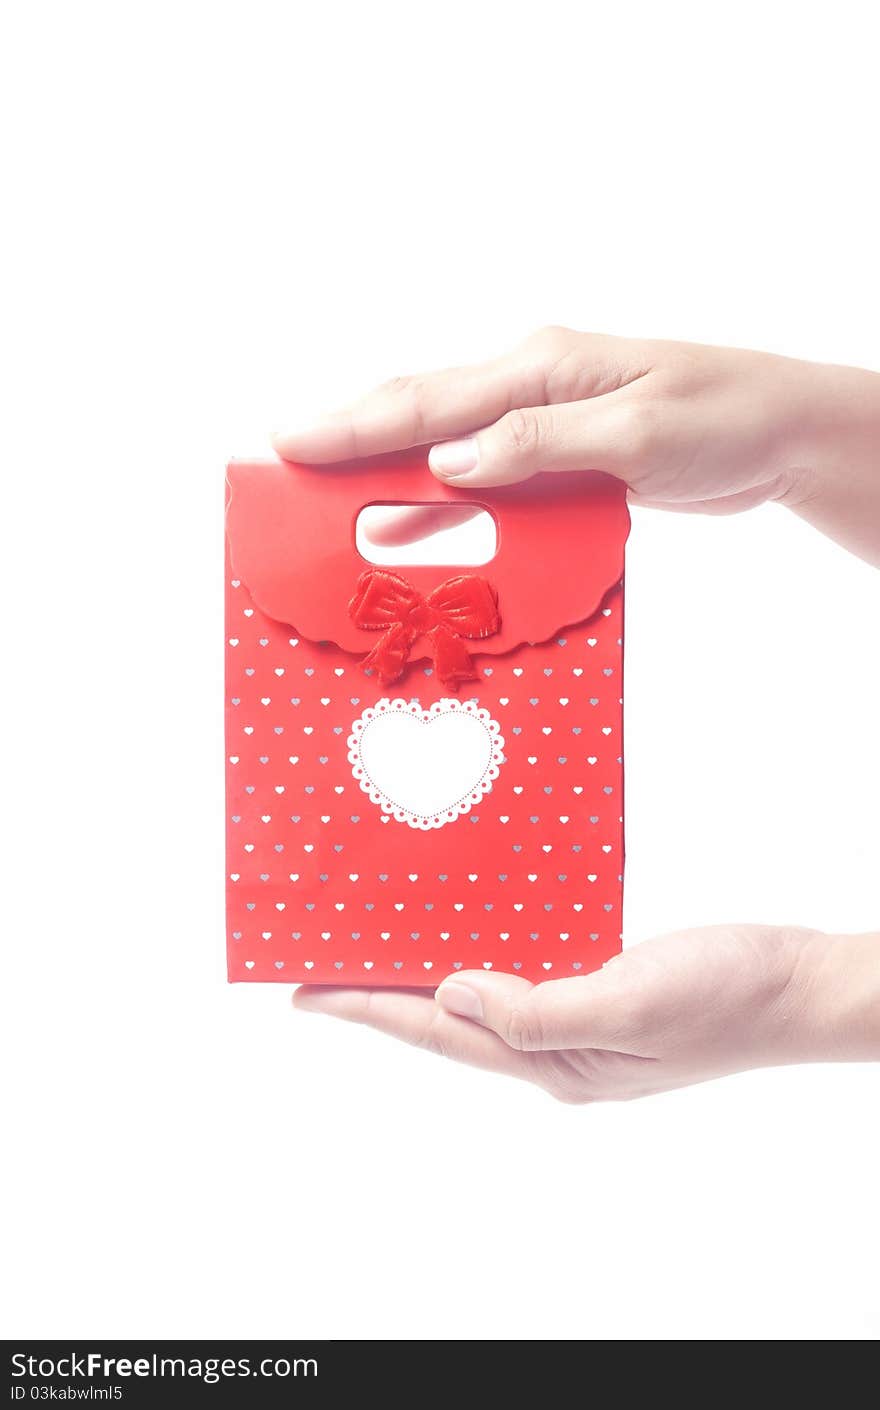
291	533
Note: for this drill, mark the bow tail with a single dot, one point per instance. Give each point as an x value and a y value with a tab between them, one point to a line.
452	660
391	653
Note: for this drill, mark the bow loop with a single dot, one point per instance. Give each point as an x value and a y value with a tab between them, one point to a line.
463	606
382	599
467	605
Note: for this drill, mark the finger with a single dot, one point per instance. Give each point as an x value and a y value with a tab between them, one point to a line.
413	411
414	1017
395	526
593	1011
617	433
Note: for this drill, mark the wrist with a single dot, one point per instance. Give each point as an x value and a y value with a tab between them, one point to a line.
841	420
833	454
838	982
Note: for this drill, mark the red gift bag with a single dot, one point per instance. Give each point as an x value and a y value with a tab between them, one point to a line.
424	765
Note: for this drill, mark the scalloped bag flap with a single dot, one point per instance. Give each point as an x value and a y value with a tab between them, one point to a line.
291	533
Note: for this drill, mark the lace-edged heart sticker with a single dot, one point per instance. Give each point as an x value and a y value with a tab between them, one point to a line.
425	767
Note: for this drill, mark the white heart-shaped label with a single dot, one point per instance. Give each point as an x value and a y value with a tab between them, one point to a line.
425	767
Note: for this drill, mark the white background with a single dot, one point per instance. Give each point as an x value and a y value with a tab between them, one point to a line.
224	217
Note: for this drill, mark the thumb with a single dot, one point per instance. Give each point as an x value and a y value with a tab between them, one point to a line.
608	433
593	1011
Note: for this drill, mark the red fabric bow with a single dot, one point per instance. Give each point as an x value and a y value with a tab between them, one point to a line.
465	606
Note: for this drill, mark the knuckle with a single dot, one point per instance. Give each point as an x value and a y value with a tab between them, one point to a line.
523	1030
651	419
522	432
403	398
431	1039
552	339
639	430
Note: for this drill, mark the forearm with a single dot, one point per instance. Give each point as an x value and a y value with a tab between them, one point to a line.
835	447
840	985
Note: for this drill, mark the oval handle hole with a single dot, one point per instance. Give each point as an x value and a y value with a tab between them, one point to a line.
443	534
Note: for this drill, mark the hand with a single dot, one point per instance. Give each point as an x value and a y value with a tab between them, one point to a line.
664	1014
714	430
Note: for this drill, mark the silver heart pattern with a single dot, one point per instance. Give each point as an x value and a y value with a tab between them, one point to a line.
303	873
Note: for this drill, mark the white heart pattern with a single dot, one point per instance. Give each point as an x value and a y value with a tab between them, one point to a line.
425	767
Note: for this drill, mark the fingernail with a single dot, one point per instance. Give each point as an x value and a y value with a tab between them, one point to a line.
453	458
458	998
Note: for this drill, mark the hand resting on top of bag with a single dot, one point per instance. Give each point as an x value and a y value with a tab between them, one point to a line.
693	428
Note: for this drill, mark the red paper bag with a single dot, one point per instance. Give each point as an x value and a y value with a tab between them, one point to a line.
424	765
